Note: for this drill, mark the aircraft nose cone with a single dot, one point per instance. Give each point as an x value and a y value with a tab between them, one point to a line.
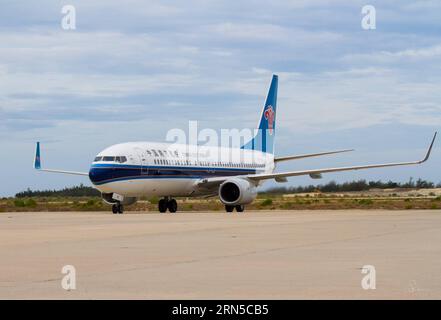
100	174
93	175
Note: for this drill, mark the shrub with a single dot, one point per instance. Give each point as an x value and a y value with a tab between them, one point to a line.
267	202
30	203
287	205
19	203
154	200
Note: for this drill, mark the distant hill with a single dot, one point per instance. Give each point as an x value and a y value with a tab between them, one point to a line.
77	191
358	185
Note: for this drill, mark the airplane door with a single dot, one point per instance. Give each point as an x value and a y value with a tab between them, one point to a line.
145	168
144	164
143	161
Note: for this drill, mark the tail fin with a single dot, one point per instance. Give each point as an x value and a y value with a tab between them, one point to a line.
264	138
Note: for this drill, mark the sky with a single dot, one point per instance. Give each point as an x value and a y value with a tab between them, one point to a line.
132	70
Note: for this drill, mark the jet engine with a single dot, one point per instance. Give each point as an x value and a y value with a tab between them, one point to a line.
237	191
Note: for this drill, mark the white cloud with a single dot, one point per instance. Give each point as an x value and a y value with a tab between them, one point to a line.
383	57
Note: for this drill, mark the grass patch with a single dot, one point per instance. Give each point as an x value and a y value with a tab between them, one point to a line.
365	202
20	203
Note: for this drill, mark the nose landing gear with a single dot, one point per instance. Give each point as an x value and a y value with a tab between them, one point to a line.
117	208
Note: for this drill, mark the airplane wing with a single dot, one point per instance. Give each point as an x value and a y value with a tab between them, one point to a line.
37	165
314	173
302	156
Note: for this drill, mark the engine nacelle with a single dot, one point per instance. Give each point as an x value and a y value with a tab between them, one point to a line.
236	191
108	198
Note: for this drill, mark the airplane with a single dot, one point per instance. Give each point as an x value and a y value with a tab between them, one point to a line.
125	172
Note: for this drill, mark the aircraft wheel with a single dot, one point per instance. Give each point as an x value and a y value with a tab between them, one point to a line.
115	208
162	205
120	209
240	208
229	208
172	206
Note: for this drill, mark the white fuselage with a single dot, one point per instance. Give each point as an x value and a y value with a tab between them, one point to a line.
137	169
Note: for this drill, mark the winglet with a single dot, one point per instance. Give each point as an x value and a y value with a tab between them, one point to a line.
37	162
430	149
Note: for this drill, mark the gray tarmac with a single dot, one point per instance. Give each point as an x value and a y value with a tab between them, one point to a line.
197	255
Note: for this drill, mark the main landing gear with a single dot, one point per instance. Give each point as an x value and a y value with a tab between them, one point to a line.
117	208
239	208
167	203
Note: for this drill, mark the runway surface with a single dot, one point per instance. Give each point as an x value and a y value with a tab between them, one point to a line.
258	255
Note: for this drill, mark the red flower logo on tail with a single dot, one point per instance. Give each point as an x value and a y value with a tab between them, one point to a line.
269	116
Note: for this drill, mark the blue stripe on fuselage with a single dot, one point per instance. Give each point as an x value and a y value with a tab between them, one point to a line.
105	173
